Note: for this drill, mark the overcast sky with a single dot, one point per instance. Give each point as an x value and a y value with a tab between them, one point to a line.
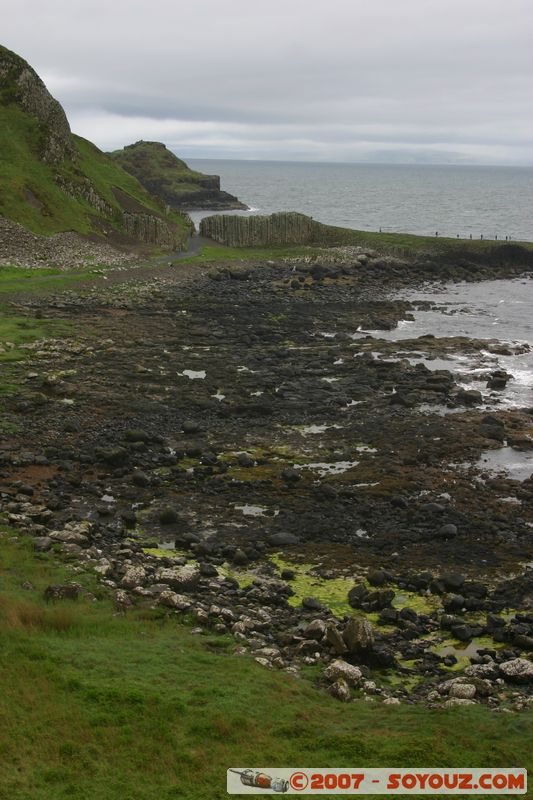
326	80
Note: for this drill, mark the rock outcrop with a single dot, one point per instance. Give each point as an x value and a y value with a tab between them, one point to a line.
164	174
21	84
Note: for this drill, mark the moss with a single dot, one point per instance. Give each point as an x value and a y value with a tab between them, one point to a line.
332	593
161	552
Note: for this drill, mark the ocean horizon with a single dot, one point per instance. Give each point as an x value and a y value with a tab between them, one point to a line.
449	199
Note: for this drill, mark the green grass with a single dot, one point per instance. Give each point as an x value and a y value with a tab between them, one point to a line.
135	708
32	196
17	330
31	281
405	245
219	253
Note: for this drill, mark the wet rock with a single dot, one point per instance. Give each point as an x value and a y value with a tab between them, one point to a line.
335	640
245	460
376	601
283	539
447	531
137	435
208	570
358	595
291	475
288	574
140	478
469	397
168	516
341	669
312	603
239	557
453	581
358	635
114	456
190	427
315	630
376	577
462	632
518	670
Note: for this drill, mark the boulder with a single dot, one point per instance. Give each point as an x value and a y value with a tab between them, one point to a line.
358	635
358	595
282	539
315	630
518	670
341	669
62	591
173	600
181	579
466	691
335	640
133	577
340	690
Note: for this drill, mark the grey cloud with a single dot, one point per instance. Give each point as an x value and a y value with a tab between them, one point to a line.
324	79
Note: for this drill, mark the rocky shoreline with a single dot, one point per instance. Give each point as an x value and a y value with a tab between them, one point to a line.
225	448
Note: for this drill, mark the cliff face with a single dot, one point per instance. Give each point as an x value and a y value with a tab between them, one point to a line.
167	176
20	84
53	181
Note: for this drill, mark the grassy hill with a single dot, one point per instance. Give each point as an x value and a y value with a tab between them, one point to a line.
167	176
112	707
53	181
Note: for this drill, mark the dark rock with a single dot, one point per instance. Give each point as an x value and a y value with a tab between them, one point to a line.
358	595
168	516
447	531
358	635
282	539
62	591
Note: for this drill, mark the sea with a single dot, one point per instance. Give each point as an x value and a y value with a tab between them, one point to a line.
463	201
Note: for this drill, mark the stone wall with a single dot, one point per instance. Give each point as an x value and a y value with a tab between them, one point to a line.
284	228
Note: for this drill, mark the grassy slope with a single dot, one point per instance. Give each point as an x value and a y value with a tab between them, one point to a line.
108	707
21	171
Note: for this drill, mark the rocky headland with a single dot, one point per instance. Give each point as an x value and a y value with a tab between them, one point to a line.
165	175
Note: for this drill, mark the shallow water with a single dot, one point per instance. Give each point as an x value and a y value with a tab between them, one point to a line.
500	311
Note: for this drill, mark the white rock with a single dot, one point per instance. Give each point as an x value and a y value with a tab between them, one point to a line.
518	670
391	701
458	701
465	691
341	669
173	600
134	576
340	690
